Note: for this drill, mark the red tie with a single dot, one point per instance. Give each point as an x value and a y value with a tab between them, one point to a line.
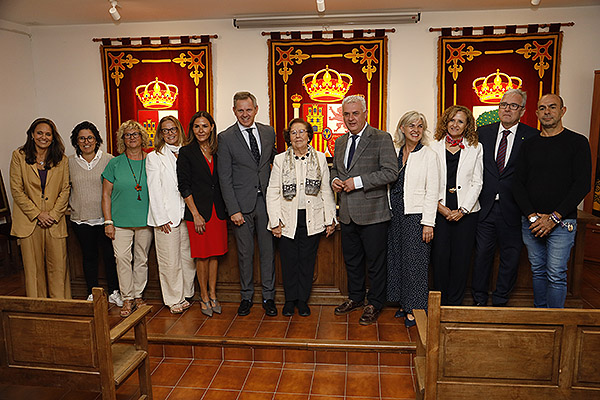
502	151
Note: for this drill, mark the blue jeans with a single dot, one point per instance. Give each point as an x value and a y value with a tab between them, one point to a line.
548	257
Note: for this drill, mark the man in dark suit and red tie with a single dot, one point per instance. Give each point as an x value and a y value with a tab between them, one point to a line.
500	217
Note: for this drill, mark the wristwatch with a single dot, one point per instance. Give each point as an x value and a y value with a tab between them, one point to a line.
534	218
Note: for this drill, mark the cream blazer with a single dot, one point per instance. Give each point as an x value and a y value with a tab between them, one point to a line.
26	190
469	175
166	203
422	184
320	209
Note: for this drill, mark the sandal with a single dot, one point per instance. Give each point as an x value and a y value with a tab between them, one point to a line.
185	305
176	308
215	305
139	302
129	306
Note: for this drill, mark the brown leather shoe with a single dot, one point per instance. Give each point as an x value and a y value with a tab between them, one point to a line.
348	306
369	316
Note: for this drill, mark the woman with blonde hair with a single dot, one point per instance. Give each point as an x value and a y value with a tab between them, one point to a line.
175	265
125	208
413	198
461	180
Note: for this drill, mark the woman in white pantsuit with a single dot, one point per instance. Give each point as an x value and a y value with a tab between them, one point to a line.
175	265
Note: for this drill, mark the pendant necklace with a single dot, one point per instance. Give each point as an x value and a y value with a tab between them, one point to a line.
138	187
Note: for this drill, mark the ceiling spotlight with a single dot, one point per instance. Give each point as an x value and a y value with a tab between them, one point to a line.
321	6
535	2
114	13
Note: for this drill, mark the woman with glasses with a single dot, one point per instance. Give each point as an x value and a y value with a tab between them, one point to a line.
125	208
175	265
300	205
85	171
205	215
39	184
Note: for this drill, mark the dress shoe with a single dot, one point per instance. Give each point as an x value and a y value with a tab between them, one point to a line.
270	309
348	306
303	309
478	304
409	322
400	313
244	308
288	309
207	309
499	305
369	316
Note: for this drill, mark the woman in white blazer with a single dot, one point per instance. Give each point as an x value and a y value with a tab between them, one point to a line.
461	178
175	265
300	205
414	200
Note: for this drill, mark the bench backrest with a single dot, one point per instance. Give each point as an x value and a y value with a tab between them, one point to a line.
509	353
62	343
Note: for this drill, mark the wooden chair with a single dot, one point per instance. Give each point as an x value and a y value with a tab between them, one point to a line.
499	353
67	343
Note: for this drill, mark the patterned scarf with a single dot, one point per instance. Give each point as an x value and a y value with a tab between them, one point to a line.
457	142
312	185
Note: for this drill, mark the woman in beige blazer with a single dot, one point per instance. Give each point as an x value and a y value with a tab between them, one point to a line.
300	205
39	183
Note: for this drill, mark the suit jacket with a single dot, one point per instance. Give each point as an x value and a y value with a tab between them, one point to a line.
26	190
496	183
194	178
320	209
239	176
469	174
166	203
375	162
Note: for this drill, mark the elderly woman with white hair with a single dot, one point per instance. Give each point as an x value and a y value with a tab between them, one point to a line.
413	198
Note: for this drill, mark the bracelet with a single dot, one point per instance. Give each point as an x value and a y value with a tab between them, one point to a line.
463	210
554	218
109	222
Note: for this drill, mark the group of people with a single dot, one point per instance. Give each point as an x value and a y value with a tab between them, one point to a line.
405	200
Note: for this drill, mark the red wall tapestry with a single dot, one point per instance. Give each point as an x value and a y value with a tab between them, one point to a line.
308	78
475	71
148	82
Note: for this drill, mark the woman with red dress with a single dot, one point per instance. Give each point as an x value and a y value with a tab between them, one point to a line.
204	207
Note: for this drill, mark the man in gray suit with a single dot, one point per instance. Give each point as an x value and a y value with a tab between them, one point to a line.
364	163
246	151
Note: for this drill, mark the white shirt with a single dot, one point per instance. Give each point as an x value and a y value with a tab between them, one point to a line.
89	165
247	138
357	179
510	140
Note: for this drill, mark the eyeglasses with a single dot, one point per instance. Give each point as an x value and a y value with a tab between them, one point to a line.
300	132
131	135
512	106
169	130
83	139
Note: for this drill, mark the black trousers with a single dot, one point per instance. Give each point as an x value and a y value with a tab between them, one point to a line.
451	256
298	258
365	247
91	239
492	231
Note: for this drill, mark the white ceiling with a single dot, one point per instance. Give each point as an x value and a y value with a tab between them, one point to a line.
69	12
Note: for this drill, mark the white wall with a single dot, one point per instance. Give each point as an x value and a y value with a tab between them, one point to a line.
18	96
68	83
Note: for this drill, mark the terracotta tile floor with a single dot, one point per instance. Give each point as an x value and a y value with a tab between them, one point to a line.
190	372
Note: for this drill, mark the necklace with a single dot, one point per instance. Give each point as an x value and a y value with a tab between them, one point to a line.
41	163
138	187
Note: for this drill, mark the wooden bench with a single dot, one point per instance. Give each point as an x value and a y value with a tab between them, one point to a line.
67	343
500	353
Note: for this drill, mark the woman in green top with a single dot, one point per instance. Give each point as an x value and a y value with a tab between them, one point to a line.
125	208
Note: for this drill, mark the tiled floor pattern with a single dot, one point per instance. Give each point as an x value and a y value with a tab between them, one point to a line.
187	372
